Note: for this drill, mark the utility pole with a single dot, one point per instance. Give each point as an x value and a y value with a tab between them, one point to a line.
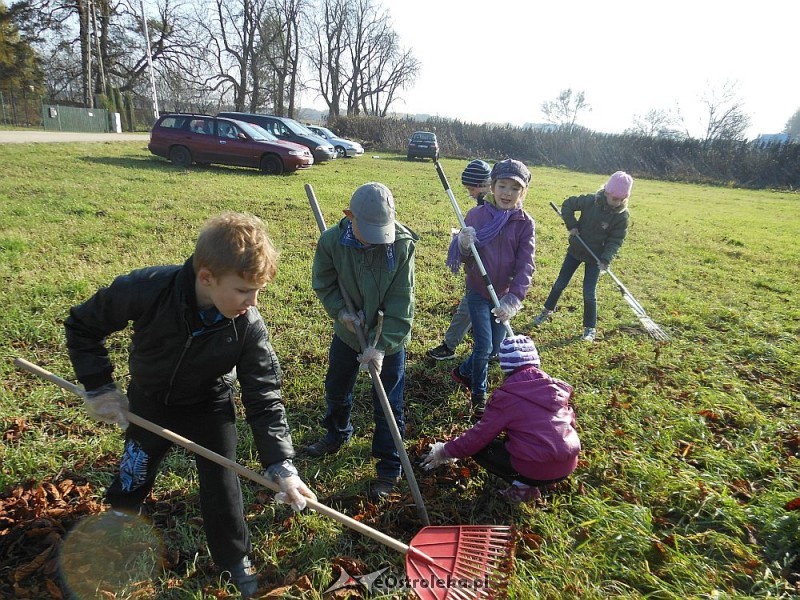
150	63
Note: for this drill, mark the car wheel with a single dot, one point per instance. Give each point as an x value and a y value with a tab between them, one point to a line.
271	165
340	153
180	156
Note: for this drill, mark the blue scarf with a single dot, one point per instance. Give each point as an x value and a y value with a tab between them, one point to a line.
484	235
349	239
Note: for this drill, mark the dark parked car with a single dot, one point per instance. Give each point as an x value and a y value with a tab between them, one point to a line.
423	144
186	138
290	130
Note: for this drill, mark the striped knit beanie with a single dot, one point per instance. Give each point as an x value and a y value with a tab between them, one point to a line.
476	174
517	351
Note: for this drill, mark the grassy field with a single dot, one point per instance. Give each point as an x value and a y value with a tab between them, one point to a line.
688	481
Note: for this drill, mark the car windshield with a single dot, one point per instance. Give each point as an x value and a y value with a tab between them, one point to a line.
327	132
424	137
297	128
263	133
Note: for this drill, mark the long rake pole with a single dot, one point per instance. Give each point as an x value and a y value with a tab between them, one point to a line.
487	282
226	462
650	326
376	380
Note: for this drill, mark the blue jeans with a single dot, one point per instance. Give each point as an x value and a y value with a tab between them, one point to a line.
486	336
459	325
591	273
339	382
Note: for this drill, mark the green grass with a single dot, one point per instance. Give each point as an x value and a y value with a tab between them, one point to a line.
690	447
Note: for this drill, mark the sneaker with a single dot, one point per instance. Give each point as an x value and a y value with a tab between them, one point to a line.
519	492
463	380
441	352
478	402
322	447
380	488
243	576
542	317
588	334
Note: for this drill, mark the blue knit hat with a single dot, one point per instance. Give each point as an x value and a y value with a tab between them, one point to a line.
517	351
477	174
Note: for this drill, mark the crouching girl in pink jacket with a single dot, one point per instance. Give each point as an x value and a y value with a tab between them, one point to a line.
527	435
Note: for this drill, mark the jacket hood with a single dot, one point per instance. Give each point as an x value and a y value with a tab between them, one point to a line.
534	385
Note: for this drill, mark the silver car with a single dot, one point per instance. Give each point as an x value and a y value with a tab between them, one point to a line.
344	147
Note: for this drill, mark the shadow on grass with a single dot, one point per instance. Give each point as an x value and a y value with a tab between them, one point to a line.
158	164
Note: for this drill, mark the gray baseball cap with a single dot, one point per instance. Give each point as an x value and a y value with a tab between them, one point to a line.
372	204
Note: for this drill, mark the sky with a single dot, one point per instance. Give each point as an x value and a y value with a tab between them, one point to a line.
499	61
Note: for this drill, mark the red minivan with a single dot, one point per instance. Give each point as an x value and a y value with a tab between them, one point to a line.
185	138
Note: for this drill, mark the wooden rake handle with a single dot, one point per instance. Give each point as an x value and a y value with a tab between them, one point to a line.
219	459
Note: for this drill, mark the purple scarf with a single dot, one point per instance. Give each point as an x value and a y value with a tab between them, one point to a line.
483	236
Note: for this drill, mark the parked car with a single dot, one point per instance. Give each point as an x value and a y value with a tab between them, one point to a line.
290	130
423	144
343	146
185	138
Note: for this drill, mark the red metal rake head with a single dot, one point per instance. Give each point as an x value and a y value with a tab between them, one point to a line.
460	562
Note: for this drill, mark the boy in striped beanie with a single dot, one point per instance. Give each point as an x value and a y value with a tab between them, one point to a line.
527	434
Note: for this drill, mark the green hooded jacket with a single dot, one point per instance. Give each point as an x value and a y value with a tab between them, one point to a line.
600	226
370	285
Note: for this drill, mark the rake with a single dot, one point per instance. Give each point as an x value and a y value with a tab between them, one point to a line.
473	249
376	380
459	562
649	325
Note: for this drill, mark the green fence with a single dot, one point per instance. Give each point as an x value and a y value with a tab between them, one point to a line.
70	118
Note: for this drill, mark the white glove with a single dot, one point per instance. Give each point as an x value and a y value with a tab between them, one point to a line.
509	306
350	320
373	355
466	237
293	491
603	266
436	457
107	404
573	232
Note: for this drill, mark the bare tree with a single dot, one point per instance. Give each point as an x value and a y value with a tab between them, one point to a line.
725	118
277	71
328	35
564	110
656	122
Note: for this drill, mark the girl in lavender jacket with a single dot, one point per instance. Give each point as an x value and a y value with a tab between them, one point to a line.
540	445
505	237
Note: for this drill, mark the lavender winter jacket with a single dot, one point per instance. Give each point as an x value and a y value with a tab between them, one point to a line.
533	410
509	259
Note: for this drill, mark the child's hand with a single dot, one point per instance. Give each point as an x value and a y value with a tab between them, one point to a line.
351	320
509	307
466	237
573	232
107	404
436	457
371	355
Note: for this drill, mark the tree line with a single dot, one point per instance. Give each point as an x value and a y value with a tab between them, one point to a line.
247	55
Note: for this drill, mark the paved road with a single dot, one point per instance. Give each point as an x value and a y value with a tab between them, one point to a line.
38	136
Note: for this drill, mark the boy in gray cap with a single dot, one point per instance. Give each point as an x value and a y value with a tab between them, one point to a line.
372	256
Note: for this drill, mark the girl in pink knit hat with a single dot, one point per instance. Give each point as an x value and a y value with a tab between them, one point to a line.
603	225
527	434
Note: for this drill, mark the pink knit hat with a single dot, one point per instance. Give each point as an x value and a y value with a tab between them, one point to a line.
619	185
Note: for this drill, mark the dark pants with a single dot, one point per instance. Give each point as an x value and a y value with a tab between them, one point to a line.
339	382
591	273
497	461
209	424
